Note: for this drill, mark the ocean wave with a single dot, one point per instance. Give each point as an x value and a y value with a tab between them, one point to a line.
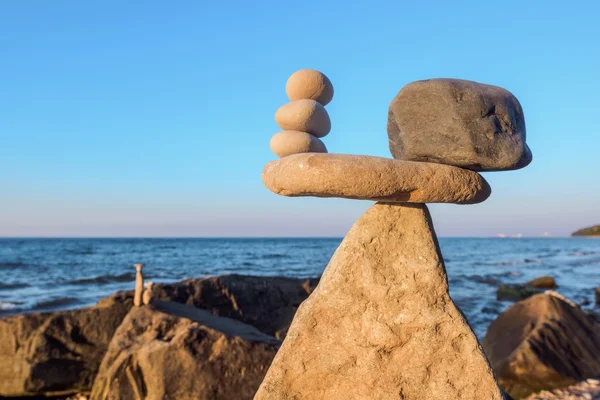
59	302
5	286
104	279
584	253
518	262
272	256
12	264
5	305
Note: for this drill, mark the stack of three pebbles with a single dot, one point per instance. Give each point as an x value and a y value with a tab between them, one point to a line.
304	119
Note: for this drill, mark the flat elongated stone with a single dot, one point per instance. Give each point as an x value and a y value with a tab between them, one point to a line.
456	122
381	324
373	178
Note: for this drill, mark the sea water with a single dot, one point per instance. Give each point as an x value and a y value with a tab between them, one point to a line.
54	274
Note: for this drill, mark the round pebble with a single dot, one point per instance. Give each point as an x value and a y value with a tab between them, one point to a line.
286	143
309	84
305	116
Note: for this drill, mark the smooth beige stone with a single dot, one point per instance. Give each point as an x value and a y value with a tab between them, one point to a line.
304	116
139	285
373	178
147	296
381	324
286	143
309	84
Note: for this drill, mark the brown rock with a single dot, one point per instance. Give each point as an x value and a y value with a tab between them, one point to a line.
381	324
542	343
286	143
304	116
267	303
373	178
309	84
59	353
462	123
173	351
543	282
56	353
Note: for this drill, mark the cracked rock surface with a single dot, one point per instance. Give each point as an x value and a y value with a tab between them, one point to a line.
381	324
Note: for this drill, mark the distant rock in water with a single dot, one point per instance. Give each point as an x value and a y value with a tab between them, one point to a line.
542	343
516	292
591	231
543	282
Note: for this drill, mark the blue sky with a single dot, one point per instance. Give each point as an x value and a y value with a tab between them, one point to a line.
153	118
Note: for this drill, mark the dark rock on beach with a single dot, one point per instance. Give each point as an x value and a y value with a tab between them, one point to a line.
461	123
542	343
60	352
173	351
56	353
267	303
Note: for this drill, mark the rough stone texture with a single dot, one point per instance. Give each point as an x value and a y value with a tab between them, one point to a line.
462	123
56	353
286	143
381	324
174	351
373	178
304	116
542	343
309	84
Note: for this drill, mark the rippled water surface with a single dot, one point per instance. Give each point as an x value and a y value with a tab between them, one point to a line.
52	274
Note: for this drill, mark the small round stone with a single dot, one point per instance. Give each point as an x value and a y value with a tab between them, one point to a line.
309	84
286	143
305	116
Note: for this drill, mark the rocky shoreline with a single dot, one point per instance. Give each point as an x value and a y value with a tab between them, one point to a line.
224	332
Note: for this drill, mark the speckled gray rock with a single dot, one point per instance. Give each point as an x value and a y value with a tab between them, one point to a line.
380	324
461	123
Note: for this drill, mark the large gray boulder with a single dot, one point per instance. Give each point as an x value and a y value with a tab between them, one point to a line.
381	324
461	123
56	353
173	351
542	343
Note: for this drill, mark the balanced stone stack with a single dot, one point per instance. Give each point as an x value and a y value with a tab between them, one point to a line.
304	119
381	323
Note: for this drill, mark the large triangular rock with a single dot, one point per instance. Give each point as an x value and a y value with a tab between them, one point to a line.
380	324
